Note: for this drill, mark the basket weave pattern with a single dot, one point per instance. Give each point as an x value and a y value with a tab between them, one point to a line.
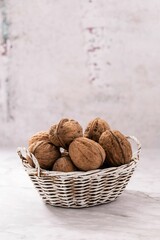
80	189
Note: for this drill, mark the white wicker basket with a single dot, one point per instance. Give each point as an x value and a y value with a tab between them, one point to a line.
80	189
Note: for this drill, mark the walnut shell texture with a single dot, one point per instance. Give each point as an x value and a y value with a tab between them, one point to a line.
65	132
86	154
64	164
39	136
45	152
95	128
117	147
53	135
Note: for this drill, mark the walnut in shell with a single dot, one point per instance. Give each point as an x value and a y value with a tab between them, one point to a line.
95	128
64	164
86	154
117	147
53	135
65	132
39	136
45	152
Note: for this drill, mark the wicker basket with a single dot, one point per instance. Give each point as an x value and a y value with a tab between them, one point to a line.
80	189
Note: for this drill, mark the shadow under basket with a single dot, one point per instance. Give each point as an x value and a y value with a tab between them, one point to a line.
80	189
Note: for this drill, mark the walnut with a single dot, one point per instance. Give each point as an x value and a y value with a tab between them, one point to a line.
62	134
95	128
45	152
117	147
39	136
64	164
53	135
86	154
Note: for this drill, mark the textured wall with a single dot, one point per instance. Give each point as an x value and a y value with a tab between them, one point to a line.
79	59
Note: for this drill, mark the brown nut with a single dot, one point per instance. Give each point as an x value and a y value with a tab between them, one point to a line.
39	136
64	164
53	135
45	153
117	147
65	132
86	154
95	128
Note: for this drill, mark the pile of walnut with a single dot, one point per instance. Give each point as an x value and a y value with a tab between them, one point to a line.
65	148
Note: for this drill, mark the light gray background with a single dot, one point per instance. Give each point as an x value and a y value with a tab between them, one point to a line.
79	59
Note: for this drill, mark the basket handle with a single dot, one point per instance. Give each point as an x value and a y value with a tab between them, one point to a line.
23	153
138	145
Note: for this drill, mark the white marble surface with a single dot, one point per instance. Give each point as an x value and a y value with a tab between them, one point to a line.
135	215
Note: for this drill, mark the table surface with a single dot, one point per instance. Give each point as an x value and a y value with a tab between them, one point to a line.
134	215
